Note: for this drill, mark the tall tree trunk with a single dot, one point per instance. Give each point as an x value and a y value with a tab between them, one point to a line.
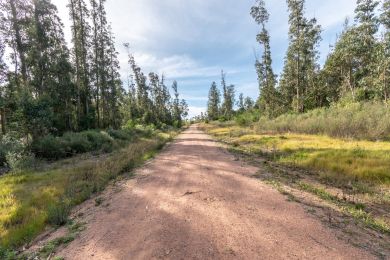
77	59
18	40
3	121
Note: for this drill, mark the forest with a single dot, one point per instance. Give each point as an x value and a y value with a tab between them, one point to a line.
356	69
49	88
79	137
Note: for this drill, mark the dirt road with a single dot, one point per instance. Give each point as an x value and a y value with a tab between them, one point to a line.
195	201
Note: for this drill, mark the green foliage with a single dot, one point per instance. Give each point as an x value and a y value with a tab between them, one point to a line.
14	153
32	199
247	118
54	148
50	147
353	120
57	214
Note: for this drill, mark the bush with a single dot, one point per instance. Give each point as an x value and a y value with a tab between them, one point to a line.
76	143
97	139
354	120
50	147
125	135
14	153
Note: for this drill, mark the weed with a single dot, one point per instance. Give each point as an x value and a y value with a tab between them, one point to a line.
98	201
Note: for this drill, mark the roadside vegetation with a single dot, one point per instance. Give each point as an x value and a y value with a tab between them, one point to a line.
352	174
68	124
322	129
32	199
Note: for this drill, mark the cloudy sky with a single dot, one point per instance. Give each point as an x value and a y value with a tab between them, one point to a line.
193	40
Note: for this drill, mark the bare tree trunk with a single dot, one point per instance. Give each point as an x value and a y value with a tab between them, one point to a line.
3	121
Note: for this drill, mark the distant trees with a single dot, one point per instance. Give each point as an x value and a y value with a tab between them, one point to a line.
150	101
51	89
228	93
214	102
221	106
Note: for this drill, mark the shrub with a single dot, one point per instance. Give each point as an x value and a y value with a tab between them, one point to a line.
50	147
14	153
57	214
97	139
125	135
354	120
76	143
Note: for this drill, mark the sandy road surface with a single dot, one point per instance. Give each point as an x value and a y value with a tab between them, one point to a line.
195	201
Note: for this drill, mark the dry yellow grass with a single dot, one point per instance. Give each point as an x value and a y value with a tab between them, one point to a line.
349	159
30	200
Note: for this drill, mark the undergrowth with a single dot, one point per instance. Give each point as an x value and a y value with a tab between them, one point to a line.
31	200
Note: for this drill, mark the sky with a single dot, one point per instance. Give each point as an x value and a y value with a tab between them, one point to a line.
191	41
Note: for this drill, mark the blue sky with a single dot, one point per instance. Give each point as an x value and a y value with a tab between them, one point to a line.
193	40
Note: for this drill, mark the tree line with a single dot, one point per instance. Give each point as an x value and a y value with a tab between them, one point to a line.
48	88
356	69
222	105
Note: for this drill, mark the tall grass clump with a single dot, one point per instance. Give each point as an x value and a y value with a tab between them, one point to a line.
369	120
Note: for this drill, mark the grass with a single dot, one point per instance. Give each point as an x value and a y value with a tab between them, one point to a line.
337	159
356	167
364	121
357	211
31	200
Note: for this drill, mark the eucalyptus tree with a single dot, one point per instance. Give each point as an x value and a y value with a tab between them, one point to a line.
266	76
298	77
214	102
14	26
48	63
228	98
3	87
81	31
364	45
384	55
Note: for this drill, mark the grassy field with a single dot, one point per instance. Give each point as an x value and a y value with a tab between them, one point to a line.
353	175
336	159
32	200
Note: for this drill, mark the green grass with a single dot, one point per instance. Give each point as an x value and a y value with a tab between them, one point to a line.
338	159
357	211
31	200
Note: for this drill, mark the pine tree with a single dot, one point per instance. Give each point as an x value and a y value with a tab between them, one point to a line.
266	76
214	101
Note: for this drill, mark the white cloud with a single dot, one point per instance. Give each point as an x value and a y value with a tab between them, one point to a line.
196	111
192	40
